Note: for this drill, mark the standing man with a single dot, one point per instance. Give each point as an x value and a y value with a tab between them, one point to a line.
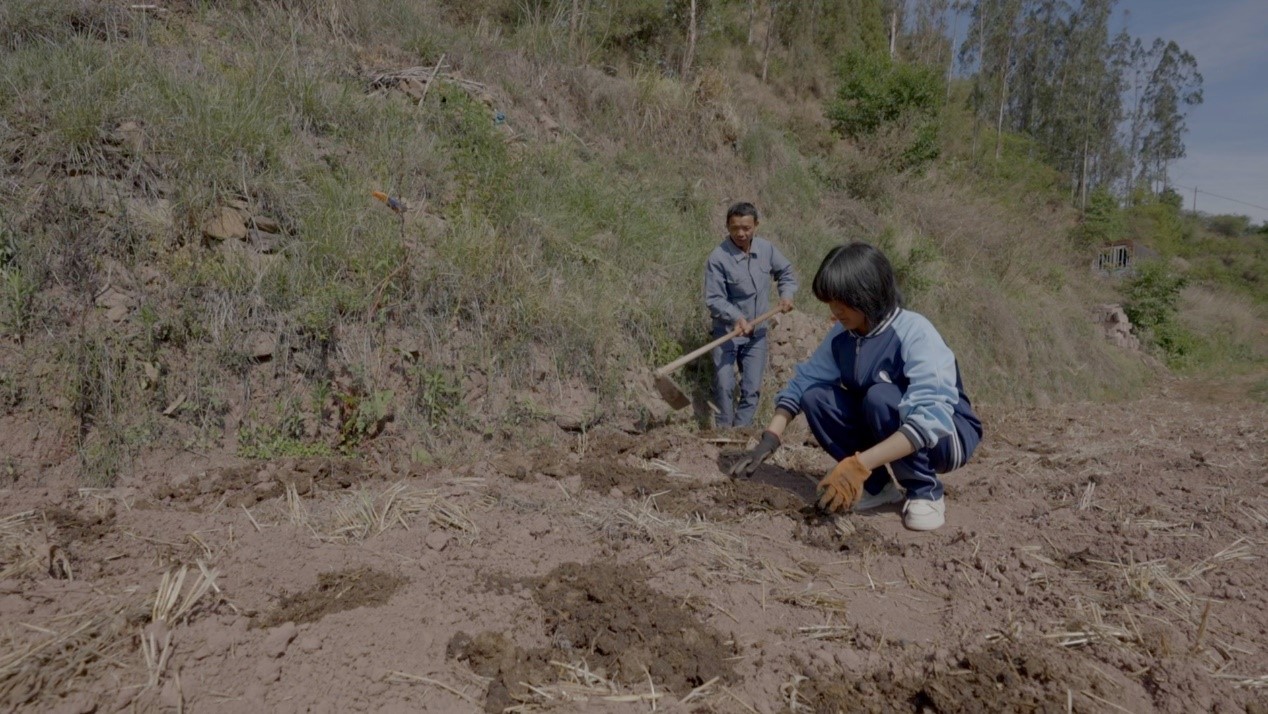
737	282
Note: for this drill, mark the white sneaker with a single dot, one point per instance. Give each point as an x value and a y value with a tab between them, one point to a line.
889	494
924	515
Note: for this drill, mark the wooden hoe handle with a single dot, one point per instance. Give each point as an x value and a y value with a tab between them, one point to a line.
716	343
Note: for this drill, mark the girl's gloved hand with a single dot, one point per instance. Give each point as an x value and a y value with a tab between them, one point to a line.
747	465
842	488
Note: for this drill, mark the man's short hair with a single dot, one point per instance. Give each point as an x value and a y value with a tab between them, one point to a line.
743	208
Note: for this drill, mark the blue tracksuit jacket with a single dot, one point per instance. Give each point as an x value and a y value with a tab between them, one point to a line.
904	350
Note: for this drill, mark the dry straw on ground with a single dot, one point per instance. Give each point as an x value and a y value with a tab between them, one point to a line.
49	659
825	600
21	552
1088	626
367	513
579	684
726	552
173	603
44	660
827	632
406	678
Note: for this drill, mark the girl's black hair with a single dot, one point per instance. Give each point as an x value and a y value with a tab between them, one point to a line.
860	276
742	208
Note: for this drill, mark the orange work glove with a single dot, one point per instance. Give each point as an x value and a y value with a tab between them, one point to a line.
842	488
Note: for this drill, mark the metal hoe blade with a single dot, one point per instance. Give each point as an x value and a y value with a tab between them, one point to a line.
670	392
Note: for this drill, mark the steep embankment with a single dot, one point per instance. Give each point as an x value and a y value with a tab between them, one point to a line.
192	254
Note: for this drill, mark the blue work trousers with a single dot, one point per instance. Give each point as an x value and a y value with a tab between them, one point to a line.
750	357
845	423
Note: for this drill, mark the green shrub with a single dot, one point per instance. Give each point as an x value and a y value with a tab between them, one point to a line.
265	443
1102	221
912	268
877	93
437	394
18	293
1229	226
362	416
1157	221
1182	349
1152	295
1152	301
12	391
282	439
1259	392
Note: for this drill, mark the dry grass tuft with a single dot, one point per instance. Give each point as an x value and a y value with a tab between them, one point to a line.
296	512
782	574
20	552
43	661
664	467
173	604
1151	581
1157	582
704	691
156	655
368	514
1240	549
1085	501
1157	527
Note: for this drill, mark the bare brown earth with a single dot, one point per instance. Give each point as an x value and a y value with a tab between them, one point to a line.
1096	558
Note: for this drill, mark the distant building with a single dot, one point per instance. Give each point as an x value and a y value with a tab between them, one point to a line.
1120	257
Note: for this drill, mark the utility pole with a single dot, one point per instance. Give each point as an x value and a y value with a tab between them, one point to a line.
1195	200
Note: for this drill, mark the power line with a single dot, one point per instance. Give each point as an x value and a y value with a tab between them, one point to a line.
1195	189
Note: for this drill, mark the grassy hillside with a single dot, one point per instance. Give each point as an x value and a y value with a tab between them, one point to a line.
191	252
1199	296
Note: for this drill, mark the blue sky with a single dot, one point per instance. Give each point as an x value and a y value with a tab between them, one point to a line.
1227	141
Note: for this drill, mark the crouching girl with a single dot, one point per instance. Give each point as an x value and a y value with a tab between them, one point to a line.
882	389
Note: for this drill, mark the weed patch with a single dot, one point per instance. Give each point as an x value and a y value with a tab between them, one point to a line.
277	442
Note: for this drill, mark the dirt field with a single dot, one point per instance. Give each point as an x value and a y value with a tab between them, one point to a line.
1094	559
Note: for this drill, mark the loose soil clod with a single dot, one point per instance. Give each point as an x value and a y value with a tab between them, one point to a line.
1030	678
842	533
335	592
607	618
